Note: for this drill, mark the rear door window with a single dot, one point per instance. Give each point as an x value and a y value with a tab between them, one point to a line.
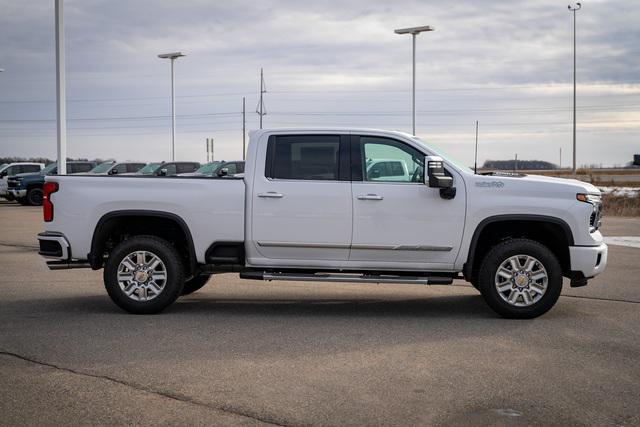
304	157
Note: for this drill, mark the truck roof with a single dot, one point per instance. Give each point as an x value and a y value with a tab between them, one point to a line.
259	132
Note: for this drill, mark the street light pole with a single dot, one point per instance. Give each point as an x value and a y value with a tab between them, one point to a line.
172	56
61	109
573	9
414	31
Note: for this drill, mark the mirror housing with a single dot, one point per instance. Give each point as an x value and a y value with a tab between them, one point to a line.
113	172
223	172
3	174
435	176
162	172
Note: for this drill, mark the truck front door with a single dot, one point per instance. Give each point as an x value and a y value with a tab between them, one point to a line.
397	220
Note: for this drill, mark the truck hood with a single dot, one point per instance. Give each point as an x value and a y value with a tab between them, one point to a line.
26	174
536	183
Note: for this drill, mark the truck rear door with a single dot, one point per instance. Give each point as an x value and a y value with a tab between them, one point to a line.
301	199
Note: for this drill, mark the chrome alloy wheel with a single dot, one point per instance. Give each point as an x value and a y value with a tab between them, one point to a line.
521	280
142	275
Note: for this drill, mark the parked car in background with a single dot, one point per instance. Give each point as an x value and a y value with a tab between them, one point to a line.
148	169
388	170
13	169
26	188
204	170
174	168
232	168
116	168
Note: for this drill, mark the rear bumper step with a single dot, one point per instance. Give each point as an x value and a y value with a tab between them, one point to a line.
347	277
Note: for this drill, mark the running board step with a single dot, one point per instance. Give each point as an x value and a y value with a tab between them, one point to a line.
346	277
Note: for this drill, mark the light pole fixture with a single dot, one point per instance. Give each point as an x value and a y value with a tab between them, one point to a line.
414	31
574	9
172	56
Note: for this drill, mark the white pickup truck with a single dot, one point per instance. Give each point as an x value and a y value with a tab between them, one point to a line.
305	210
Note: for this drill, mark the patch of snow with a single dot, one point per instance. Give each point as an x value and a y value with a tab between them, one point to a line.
629	241
621	191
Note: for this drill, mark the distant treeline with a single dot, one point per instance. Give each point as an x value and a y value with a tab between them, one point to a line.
44	160
522	164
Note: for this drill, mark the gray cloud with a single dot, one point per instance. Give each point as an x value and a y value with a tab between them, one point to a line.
507	64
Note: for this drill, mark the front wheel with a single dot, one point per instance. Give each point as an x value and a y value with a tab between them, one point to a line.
35	196
520	279
144	275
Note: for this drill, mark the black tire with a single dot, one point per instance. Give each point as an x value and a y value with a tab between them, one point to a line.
174	274
192	285
475	284
502	252
35	196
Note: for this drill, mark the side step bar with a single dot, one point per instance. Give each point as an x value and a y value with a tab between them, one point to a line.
67	265
346	277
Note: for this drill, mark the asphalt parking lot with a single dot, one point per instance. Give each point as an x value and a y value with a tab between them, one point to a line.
244	352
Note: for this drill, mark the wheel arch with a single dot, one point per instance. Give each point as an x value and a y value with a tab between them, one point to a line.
494	229
153	223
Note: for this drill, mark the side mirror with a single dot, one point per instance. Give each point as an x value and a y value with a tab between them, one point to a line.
435	177
223	172
113	172
162	172
3	174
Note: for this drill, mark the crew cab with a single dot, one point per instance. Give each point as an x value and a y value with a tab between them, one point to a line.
306	210
11	169
26	188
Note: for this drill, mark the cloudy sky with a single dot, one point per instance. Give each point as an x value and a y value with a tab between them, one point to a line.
326	63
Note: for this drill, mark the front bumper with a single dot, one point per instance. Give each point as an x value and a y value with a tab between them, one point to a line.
18	194
589	261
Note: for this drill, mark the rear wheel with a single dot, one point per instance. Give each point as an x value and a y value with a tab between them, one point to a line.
192	285
520	279
35	196
144	275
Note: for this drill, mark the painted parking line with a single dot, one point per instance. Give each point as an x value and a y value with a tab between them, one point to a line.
630	241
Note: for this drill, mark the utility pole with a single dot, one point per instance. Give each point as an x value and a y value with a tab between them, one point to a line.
61	90
515	165
577	7
560	164
244	127
475	163
260	109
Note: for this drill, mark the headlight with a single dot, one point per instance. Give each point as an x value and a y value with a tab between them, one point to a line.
595	219
588	198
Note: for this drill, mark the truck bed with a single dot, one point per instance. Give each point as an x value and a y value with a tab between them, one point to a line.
212	208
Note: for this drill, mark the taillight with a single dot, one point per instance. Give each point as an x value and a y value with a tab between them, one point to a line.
47	207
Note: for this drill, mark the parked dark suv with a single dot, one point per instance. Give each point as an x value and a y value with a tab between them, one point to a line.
26	188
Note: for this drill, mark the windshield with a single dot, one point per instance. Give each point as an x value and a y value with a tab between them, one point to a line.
102	168
442	154
208	168
149	169
49	169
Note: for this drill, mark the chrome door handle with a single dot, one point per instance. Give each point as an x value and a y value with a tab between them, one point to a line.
370	197
270	195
